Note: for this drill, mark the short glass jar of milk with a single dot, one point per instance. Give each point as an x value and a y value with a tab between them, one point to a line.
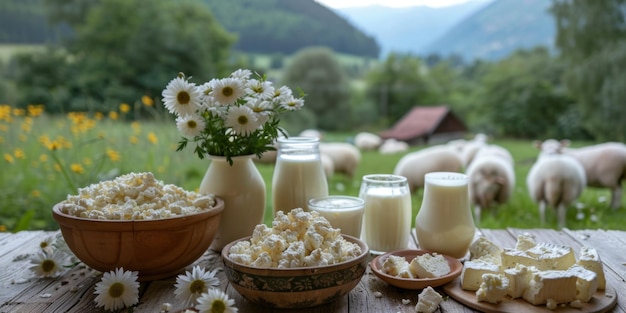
298	174
344	212
387	217
444	223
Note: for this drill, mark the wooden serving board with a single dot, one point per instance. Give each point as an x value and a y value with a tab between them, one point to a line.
601	302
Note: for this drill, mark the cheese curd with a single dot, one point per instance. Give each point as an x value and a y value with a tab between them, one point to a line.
135	196
296	239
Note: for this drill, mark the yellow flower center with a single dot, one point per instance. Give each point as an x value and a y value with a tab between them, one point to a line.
242	120
228	91
197	286
116	290
183	97
43	244
47	266
192	124
218	306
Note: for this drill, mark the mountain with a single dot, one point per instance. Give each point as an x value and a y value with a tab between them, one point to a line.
408	29
498	29
485	29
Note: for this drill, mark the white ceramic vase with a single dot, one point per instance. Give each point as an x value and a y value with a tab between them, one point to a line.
242	188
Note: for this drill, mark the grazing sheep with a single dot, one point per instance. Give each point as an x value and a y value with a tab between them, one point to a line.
367	141
471	147
393	146
327	164
491	180
494	150
312	133
555	180
605	167
415	165
345	157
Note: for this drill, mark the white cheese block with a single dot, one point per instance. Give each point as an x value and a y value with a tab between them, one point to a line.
552	256
493	289
429	265
397	266
590	259
586	282
559	286
483	248
428	300
519	278
513	257
473	270
525	242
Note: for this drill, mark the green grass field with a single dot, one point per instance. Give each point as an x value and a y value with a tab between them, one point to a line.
45	158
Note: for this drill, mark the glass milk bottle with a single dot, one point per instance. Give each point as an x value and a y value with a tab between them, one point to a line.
444	223
298	174
387	218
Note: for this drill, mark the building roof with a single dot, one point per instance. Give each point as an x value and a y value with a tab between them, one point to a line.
423	122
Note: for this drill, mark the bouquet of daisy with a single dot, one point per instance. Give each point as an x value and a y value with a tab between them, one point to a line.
232	116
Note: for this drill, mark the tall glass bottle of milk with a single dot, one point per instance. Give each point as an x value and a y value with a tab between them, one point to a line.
444	222
298	174
387	217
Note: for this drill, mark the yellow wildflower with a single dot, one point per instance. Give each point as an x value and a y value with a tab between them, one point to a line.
98	116
5	113
35	193
147	101
19	153
22	137
153	138
8	158
133	139
124	108
113	155
35	110
43	157
19	112
114	115
77	168
87	161
136	126
3	228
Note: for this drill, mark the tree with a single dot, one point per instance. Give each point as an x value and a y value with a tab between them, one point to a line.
591	38
318	73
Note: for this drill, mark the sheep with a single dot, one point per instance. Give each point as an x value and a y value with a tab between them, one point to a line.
555	179
327	164
605	167
312	133
471	147
491	178
415	165
367	141
393	146
345	156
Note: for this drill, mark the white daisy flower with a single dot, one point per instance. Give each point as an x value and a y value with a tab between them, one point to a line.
283	93
216	301
226	91
241	120
242	74
117	289
260	89
293	104
190	125
191	286
261	108
47	244
46	265
181	97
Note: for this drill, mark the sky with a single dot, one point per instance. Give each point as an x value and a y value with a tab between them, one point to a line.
389	3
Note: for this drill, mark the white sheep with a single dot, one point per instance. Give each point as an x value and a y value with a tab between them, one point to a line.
494	150
470	148
392	145
367	141
605	167
491	179
415	165
555	180
345	156
312	133
327	164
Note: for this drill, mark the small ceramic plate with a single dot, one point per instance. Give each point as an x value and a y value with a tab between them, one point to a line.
414	283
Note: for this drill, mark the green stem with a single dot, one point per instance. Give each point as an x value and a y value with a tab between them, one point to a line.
63	171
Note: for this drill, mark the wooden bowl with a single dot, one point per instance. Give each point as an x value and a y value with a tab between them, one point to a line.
155	248
414	283
295	288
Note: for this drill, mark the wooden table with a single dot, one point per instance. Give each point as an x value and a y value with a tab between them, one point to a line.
73	291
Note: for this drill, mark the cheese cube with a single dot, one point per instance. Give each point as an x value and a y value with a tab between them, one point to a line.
397	266
590	259
586	282
428	300
493	289
473	270
519	278
559	286
552	256
525	242
430	265
483	248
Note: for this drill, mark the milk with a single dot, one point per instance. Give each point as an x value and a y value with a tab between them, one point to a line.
342	212
444	222
387	220
296	179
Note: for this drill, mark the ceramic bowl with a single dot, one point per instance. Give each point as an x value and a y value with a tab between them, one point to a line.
295	288
155	248
414	283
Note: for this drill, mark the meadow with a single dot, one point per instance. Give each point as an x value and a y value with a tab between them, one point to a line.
45	158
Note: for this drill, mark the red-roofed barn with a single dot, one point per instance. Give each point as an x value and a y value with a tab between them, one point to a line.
424	124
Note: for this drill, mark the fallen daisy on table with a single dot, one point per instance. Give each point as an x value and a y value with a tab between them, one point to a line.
117	289
192	285
216	301
46	265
